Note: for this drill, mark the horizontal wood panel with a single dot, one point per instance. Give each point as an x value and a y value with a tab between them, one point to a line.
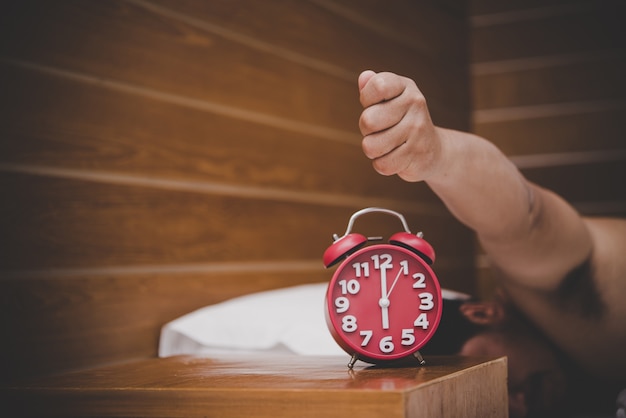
576	81
481	7
303	26
61	323
164	53
584	183
577	132
96	128
600	28
131	44
61	223
57	223
354	37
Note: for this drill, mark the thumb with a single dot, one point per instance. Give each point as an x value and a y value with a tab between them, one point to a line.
364	77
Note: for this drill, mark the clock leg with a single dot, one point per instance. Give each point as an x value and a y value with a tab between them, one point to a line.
419	358
353	360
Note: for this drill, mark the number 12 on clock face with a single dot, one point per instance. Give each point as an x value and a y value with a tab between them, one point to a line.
384	303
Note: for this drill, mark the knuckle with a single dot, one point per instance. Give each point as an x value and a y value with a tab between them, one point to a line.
379	85
366	146
367	123
415	98
372	147
418	100
382	166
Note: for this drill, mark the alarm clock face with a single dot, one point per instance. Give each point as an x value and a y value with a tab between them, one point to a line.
383	303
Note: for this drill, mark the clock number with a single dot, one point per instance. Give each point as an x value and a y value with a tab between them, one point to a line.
367	336
386	344
419	281
348	323
421	321
349	286
342	304
382	261
407	336
361	269
404	267
426	301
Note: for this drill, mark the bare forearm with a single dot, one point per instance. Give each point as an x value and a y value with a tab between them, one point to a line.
532	235
481	187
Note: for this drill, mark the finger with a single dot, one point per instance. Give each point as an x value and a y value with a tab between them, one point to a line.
381	143
364	78
407	149
391	163
381	87
384	115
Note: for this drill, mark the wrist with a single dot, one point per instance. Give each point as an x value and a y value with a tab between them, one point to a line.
438	169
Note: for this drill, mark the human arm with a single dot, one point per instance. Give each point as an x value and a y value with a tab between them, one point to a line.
531	235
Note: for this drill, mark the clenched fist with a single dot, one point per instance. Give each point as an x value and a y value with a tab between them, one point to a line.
398	134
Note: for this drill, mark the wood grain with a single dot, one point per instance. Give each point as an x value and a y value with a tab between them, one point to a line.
272	386
153	153
57	223
197	63
58	323
549	87
574	81
99	129
187	61
359	42
595	27
587	131
480	7
584	182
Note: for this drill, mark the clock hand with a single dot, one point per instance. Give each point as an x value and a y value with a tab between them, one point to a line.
383	302
394	283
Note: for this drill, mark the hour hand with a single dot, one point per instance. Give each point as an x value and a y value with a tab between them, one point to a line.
383	302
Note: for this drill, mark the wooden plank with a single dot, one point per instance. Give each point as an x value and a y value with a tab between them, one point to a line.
58	223
311	25
601	182
96	128
573	132
482	7
597	78
99	224
60	322
129	43
578	31
272	386
352	37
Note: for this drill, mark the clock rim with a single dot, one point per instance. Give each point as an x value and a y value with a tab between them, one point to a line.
367	356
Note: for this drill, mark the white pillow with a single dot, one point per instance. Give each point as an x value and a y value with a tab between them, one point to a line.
289	319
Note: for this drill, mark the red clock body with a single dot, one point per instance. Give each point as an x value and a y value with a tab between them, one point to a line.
383	303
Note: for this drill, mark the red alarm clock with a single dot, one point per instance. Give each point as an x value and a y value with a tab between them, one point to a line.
383	302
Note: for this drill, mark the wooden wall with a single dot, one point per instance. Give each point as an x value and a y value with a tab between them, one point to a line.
549	88
159	156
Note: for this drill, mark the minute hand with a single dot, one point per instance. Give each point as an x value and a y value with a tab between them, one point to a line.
393	284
